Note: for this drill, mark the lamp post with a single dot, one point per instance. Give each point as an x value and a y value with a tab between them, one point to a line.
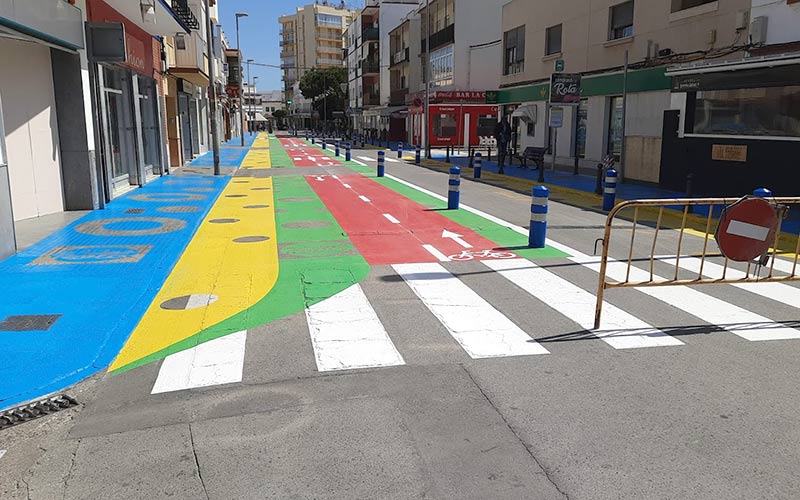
248	85
426	114
241	101
212	83
252	101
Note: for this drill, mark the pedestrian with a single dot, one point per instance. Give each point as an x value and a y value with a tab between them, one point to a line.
502	134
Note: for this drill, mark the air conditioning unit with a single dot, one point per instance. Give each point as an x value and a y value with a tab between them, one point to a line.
758	30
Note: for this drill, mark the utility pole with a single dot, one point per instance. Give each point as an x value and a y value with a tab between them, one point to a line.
426	115
212	85
241	87
624	117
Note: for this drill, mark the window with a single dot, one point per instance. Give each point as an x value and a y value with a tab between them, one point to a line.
552	42
180	41
486	124
771	112
621	21
678	5
442	67
615	127
329	21
514	50
444	125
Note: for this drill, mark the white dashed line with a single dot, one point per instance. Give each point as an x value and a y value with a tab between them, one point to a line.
436	253
391	219
364	199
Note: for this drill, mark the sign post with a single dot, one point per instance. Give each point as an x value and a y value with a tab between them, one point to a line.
565	90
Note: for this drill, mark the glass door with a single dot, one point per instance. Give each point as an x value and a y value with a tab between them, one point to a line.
150	130
186	127
118	128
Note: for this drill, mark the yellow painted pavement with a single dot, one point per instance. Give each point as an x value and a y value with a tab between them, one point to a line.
238	273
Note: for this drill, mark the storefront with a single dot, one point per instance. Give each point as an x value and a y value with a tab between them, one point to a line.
456	118
41	117
130	113
738	127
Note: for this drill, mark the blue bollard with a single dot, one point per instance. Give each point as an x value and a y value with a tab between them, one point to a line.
336	150
381	162
762	193
538	230
313	139
477	165
347	154
400	150
454	188
610	192
418	155
324	143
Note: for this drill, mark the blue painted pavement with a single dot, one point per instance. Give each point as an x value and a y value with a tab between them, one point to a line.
625	191
96	278
231	153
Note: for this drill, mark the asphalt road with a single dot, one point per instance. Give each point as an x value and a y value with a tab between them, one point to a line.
711	414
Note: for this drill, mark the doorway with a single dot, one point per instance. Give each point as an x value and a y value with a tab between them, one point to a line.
119	128
186	126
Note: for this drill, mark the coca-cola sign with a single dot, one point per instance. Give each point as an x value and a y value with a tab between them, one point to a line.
565	88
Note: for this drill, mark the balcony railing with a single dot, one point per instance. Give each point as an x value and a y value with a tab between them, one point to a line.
286	41
330	62
368	66
370	34
400	56
184	13
442	37
397	97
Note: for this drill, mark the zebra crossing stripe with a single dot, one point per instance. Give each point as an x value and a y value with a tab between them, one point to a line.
778	292
785	266
739	321
346	333
621	329
482	330
216	362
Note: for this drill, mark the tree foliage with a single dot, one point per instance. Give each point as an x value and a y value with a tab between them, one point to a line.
324	87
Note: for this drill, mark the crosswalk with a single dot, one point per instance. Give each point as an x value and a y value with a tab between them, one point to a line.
345	332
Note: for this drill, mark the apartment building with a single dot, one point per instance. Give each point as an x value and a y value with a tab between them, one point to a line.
367	62
735	125
312	37
591	39
465	53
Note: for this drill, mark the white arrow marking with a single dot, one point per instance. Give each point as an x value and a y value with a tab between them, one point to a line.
455	237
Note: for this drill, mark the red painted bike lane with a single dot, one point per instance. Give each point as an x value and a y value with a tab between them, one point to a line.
388	228
305	156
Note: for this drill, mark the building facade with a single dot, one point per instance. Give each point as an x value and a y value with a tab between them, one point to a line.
312	37
592	39
368	61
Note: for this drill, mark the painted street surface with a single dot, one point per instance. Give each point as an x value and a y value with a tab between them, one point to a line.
388	228
74	298
303	155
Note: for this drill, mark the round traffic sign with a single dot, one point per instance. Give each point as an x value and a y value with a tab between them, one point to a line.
746	229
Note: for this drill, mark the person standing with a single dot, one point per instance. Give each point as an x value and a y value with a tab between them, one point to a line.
502	134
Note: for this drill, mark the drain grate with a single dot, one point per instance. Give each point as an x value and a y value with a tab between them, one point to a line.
37	409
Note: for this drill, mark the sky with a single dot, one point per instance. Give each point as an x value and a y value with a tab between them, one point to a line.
259	33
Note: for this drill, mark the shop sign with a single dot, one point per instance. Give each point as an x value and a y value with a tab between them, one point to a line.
491	97
473	96
138	44
729	152
565	88
556	117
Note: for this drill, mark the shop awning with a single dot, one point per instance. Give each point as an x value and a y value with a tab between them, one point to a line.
259	117
526	112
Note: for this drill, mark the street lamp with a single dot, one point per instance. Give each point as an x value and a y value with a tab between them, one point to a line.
253	108
241	101
248	84
212	84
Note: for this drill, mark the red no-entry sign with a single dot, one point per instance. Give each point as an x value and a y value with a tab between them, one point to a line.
746	229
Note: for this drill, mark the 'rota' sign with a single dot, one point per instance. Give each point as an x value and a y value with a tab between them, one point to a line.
746	229
565	88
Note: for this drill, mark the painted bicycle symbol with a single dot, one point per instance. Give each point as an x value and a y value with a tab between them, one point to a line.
482	254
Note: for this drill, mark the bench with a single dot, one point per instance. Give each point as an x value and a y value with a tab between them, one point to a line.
536	155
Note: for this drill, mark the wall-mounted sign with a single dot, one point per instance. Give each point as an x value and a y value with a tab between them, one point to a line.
559	65
729	152
565	88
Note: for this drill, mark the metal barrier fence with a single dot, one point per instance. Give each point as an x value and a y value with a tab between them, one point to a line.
753	271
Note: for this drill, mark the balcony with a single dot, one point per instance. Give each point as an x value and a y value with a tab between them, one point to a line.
369	67
59	22
401	56
370	34
287	53
371	100
397	97
184	14
286	41
324	61
324	36
329	50
442	37
288	65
